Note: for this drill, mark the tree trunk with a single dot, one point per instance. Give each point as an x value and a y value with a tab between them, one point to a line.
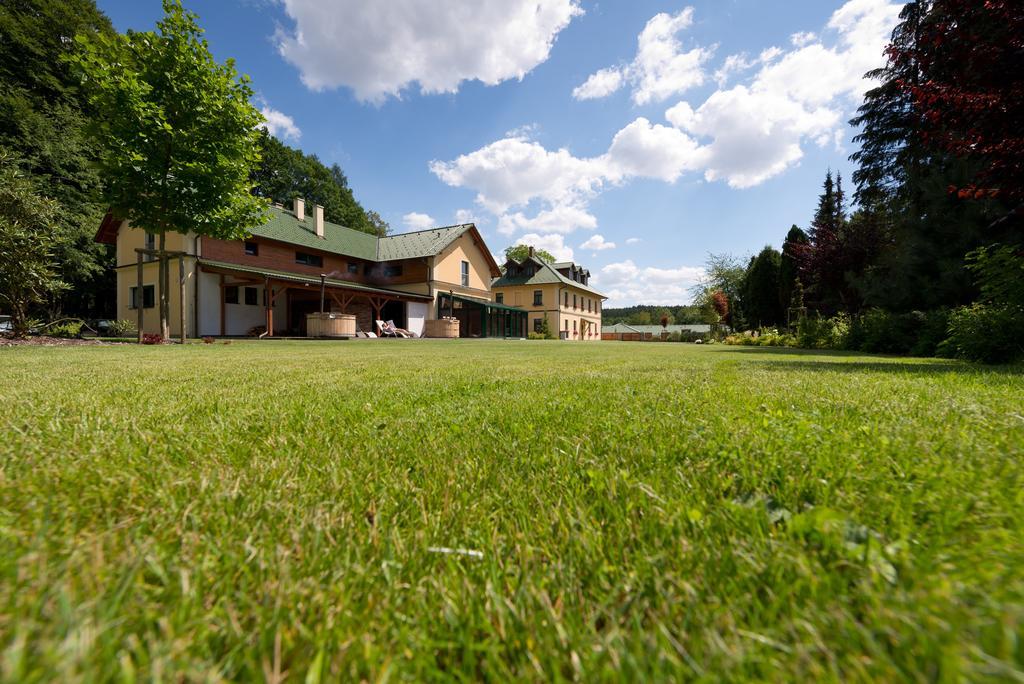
165	285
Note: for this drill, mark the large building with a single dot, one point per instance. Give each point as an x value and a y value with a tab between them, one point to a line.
272	280
559	292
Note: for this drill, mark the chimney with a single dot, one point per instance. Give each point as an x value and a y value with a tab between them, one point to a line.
299	205
318	213
531	251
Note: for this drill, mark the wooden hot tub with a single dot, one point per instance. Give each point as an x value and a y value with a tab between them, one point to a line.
330	325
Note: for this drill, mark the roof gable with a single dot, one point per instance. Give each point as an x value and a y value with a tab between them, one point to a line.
545	275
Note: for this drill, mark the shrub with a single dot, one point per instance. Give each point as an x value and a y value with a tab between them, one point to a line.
122	328
68	329
814	332
932	331
152	338
536	336
985	332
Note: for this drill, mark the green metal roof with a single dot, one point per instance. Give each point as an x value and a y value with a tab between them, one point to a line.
546	274
309	280
284	227
422	243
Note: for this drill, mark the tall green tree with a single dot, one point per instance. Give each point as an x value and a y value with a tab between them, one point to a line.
28	274
520	252
177	133
761	304
43	114
285	173
789	266
723	279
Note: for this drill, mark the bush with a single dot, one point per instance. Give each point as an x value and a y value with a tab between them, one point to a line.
152	338
536	336
122	328
68	329
814	332
985	332
933	330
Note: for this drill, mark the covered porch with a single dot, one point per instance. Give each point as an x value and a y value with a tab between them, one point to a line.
281	301
482	318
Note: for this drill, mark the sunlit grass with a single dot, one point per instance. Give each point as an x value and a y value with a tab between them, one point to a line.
277	509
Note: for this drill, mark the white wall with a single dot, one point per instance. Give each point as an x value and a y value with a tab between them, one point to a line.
416	313
209	304
238	318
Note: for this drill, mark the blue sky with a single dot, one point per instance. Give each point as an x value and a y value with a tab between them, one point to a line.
634	137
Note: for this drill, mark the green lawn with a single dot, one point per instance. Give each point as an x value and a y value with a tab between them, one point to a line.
265	510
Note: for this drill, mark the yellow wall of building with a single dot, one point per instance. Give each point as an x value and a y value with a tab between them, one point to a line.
128	240
521	296
448	265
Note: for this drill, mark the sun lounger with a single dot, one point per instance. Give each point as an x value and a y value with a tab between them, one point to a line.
386	330
401	331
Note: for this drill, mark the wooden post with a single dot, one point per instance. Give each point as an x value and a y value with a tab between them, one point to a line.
269	295
181	296
140	298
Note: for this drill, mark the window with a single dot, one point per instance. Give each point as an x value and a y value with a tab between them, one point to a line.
353	269
231	294
538	325
149	243
250	296
393	271
499	298
148	297
309	259
465	274
574	301
590	305
574	326
567	306
252	249
538	297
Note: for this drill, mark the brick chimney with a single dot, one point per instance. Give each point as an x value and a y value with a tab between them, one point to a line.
318	214
299	204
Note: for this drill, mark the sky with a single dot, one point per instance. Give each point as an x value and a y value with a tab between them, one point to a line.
633	137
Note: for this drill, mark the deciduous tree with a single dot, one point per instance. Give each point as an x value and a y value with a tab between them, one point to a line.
27	243
177	133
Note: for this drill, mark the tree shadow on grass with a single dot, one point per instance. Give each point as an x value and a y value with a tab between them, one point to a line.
811	360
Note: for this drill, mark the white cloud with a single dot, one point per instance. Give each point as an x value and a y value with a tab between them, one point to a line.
743	135
417	221
466	216
513	171
279	124
563	218
651	151
381	48
802	38
752	132
625	283
554	243
633	241
601	83
661	67
597	243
